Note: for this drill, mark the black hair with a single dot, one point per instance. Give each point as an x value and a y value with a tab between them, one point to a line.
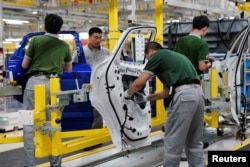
200	22
153	46
94	30
53	23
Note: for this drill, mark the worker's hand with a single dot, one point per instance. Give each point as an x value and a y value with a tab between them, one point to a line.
126	95
139	98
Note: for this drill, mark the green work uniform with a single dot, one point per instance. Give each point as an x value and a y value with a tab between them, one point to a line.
194	48
184	124
47	54
170	67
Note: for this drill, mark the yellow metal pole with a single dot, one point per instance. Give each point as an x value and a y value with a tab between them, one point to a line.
113	24
215	119
207	119
54	88
244	7
55	114
159	20
42	141
214	84
214	96
160	110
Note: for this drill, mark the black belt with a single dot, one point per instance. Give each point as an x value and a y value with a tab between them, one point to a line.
187	81
40	73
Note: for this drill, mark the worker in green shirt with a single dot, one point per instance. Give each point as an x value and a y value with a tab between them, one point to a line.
194	47
184	124
46	56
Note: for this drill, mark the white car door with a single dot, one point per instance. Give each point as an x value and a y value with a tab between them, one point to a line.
129	123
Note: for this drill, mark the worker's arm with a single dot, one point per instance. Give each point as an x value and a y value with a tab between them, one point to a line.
26	62
160	95
67	67
204	65
139	83
140	98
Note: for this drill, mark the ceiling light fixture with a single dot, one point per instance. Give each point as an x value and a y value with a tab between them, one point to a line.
18	22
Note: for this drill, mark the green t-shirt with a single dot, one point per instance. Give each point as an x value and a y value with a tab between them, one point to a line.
195	48
170	67
47	54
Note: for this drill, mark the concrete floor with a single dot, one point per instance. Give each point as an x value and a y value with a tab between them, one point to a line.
146	157
134	159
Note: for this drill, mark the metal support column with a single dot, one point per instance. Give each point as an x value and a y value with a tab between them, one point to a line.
212	119
160	110
113	24
55	117
42	143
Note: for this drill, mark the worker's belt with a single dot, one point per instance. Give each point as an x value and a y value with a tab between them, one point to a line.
40	73
187	81
182	85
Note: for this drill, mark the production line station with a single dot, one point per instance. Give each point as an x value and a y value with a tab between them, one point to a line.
132	134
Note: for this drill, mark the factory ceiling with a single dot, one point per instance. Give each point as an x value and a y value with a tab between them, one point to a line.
80	15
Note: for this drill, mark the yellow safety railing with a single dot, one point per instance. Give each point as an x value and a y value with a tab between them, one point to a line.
51	143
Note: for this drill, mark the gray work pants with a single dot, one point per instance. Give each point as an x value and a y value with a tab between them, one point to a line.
29	149
28	130
184	128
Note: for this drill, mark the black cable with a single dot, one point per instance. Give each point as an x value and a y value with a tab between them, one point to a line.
176	31
244	101
220	34
227	36
243	41
228	32
171	35
236	37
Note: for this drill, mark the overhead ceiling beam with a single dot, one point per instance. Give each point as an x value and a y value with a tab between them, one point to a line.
148	11
95	5
199	7
19	7
89	14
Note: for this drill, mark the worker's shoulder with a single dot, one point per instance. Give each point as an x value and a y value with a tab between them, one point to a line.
189	37
104	48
